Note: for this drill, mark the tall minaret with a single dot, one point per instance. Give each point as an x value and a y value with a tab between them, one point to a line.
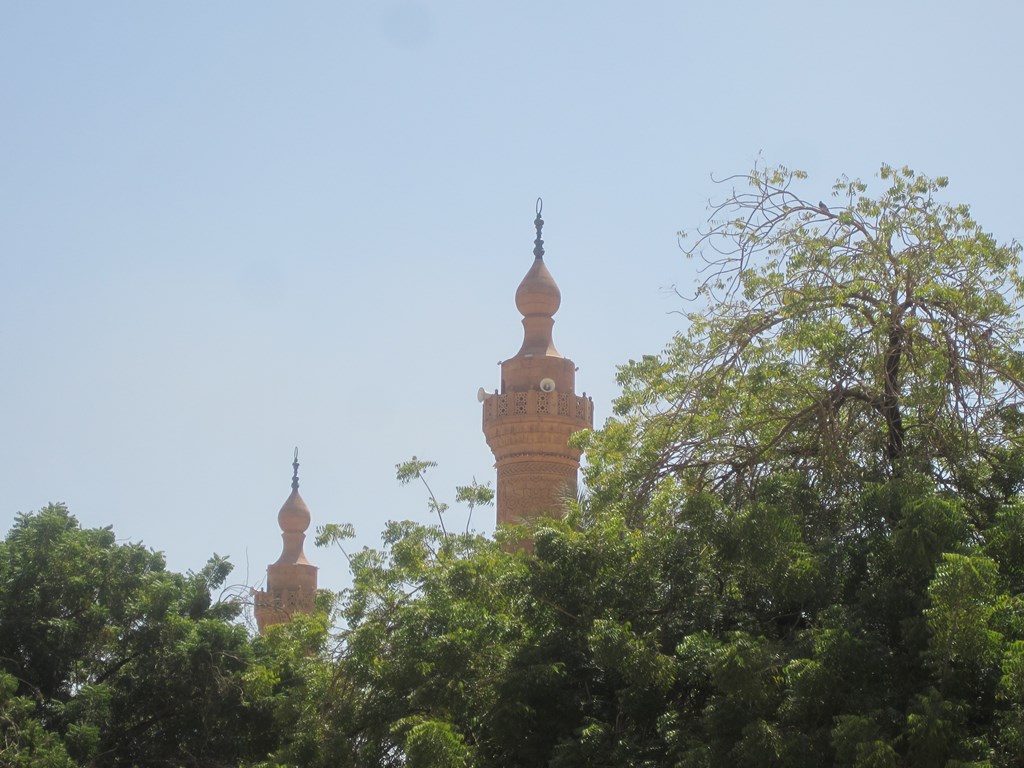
529	422
291	581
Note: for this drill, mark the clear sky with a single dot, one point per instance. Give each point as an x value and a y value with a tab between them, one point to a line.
231	228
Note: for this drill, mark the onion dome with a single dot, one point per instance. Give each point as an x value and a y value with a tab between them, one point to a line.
538	293
294	519
537	299
294	516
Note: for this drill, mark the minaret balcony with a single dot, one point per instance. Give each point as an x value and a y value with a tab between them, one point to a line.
577	411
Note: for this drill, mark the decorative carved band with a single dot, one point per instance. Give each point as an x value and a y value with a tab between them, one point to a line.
277	606
536	468
536	403
286	599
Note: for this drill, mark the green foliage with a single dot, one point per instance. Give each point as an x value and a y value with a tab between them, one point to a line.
432	744
109	659
850	342
474	495
24	742
416	469
779	631
962	596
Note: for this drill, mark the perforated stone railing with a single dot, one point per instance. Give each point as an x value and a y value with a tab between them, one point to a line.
580	408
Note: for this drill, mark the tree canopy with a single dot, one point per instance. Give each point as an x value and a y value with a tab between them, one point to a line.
110	659
850	341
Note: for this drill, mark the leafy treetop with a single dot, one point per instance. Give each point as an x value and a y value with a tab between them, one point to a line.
852	341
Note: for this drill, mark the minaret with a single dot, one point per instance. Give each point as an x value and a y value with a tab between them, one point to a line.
291	581
529	422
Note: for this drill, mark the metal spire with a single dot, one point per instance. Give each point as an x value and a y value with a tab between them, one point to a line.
538	244
295	471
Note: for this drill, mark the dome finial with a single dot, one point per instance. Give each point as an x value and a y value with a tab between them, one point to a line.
537	299
538	244
295	470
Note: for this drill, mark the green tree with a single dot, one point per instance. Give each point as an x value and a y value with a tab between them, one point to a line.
24	742
123	662
850	341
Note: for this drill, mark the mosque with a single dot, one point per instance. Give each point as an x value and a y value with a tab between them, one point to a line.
527	424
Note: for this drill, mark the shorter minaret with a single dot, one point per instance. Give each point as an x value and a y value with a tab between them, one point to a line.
291	581
528	422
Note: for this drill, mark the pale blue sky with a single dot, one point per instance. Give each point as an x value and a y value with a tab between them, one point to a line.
230	228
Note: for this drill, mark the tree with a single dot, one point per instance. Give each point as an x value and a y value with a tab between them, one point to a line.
24	742
108	659
716	632
852	341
